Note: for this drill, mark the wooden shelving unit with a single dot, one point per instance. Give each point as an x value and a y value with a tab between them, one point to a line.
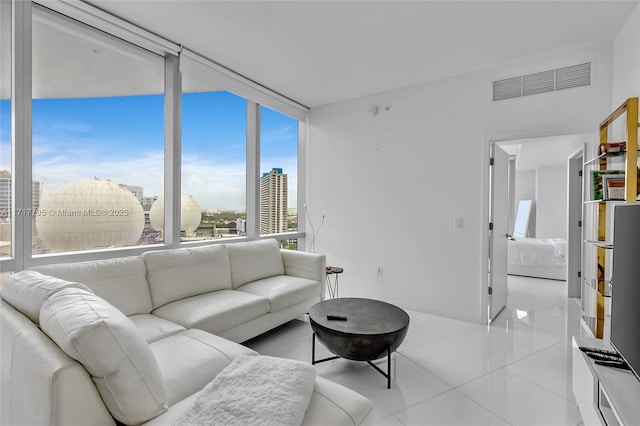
628	112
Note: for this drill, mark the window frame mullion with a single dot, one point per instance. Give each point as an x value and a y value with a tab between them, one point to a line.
21	137
172	151
253	170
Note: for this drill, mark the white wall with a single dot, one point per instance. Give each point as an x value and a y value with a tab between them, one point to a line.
551	196
626	67
626	60
391	185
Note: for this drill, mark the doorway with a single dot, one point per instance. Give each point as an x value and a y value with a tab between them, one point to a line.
547	172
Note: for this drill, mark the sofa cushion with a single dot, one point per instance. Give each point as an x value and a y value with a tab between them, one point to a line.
180	273
216	311
27	290
254	260
282	290
335	404
152	327
191	359
107	344
120	281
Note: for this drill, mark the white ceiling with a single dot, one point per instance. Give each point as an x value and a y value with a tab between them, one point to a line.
319	52
533	153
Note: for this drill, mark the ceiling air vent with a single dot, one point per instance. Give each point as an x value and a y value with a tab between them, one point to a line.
539	82
573	76
507	88
542	82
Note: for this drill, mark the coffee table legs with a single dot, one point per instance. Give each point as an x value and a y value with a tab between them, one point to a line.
315	361
388	373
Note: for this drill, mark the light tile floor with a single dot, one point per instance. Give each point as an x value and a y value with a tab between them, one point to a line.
517	371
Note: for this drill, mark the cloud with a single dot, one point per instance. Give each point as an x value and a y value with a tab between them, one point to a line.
146	171
5	155
212	183
278	134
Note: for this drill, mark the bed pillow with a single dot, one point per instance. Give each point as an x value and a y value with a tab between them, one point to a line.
27	290
107	344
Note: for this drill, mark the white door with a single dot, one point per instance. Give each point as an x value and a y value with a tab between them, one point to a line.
574	225
499	233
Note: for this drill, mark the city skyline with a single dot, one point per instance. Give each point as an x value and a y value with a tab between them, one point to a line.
122	139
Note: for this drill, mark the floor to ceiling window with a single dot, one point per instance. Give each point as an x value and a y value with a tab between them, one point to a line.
98	138
5	130
278	173
97	151
214	161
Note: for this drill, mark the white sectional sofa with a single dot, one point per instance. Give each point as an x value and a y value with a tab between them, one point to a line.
133	340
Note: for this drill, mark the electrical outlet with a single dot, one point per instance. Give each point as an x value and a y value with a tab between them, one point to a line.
458	223
380	271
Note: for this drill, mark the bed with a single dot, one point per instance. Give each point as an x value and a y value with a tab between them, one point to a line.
539	258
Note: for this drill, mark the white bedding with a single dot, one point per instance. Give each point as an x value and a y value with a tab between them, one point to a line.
538	252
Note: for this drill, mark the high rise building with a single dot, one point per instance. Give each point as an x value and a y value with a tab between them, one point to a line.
241	226
273	202
148	201
5	193
138	191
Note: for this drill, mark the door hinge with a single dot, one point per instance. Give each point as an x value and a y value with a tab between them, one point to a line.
490	290
580	173
579	224
490	226
579	274
491	161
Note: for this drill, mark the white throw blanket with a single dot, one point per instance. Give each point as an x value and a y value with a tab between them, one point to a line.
254	390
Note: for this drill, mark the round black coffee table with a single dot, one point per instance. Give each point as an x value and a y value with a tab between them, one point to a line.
358	329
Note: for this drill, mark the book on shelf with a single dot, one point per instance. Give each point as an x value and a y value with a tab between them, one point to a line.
612	147
613	187
597	185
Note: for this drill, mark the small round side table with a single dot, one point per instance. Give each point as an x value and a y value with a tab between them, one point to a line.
332	287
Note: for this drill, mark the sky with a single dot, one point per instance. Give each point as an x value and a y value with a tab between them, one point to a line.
122	139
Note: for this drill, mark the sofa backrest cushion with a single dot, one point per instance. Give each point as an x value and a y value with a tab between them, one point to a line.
180	273
107	344
27	290
254	260
120	281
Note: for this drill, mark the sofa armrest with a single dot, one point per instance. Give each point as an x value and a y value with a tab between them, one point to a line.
41	385
305	265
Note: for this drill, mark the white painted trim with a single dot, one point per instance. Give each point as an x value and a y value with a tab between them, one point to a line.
484	232
574	214
206	70
110	24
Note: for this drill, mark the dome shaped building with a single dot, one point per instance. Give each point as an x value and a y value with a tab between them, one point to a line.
190	214
89	214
